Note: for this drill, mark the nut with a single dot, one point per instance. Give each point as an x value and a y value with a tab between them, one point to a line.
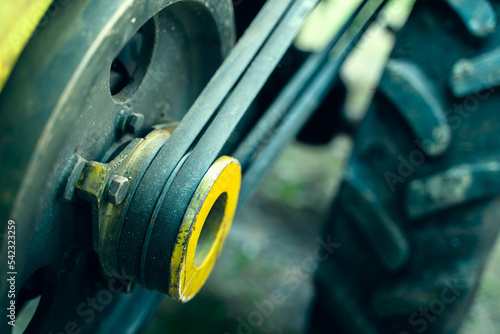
118	189
134	123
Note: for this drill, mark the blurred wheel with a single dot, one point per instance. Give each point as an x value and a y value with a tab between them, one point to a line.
417	213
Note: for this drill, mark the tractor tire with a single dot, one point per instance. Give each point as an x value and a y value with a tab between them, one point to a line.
417	213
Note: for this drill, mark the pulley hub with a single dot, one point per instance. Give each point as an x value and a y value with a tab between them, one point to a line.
190	248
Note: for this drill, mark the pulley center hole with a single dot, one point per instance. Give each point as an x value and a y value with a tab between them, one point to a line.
210	230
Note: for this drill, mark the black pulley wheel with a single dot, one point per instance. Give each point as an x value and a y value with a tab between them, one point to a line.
92	79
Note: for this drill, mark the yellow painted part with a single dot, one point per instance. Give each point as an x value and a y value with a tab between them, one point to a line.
186	278
111	217
18	21
92	181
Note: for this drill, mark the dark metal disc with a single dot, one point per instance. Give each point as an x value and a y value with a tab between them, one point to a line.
58	102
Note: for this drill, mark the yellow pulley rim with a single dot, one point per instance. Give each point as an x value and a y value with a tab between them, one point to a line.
204	228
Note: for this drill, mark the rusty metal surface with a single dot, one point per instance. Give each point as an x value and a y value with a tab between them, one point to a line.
58	103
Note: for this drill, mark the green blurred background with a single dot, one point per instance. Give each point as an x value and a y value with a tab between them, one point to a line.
279	227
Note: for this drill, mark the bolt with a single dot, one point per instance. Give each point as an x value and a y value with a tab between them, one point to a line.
134	123
117	190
